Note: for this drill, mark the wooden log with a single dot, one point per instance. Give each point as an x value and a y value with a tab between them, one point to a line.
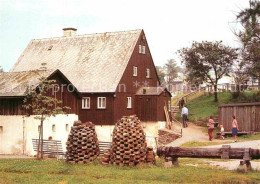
234	153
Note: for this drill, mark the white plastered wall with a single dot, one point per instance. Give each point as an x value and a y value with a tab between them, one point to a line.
104	132
18	132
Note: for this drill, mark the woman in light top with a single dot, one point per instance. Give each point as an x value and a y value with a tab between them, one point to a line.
234	128
211	127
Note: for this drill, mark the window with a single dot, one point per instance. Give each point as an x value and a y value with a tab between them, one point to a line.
67	127
134	71
53	128
140	49
129	102
86	103
1	129
101	103
147	73
143	49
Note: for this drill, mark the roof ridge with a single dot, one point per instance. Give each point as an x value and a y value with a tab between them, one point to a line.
37	70
86	35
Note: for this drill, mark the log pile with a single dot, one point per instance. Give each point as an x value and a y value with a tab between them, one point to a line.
150	156
129	146
82	144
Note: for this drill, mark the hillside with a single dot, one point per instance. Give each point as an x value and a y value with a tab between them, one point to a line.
201	108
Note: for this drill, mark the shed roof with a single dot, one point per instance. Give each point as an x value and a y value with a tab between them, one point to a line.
151	91
16	83
92	62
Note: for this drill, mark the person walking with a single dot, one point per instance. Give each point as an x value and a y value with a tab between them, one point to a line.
181	103
234	128
211	127
184	114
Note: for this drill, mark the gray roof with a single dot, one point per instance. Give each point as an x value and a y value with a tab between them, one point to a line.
15	83
93	63
151	90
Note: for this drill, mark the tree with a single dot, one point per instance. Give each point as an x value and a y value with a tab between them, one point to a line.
172	70
240	75
250	37
160	74
203	58
39	101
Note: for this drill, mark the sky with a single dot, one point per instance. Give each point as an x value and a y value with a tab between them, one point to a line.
169	25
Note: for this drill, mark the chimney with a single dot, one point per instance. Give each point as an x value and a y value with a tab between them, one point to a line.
69	31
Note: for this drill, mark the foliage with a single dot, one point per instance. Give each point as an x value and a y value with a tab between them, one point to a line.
246	97
40	100
172	70
203	58
52	171
250	37
240	74
160	74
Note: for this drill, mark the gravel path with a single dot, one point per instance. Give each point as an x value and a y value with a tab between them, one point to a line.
245	144
192	133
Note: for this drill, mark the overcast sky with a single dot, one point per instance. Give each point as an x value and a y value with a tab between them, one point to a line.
168	24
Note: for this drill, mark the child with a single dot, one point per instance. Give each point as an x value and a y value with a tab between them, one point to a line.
222	131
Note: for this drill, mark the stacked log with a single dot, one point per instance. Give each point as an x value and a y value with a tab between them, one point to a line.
129	146
150	156
82	144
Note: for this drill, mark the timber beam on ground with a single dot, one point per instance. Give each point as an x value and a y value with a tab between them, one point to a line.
171	155
225	152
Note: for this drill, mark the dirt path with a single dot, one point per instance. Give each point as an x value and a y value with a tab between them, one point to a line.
198	134
13	156
192	133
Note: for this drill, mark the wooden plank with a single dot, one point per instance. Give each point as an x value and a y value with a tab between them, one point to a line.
168	125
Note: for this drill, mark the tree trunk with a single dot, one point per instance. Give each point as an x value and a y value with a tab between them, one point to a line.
215	93
39	144
41	139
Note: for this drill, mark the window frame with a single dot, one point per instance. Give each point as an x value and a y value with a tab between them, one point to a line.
85	105
148	73
129	99
135	71
140	49
102	105
143	49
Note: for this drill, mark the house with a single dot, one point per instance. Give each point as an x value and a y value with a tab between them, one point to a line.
17	129
113	74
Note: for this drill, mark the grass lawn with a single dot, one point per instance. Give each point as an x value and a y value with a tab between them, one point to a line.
246	137
53	171
199	144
